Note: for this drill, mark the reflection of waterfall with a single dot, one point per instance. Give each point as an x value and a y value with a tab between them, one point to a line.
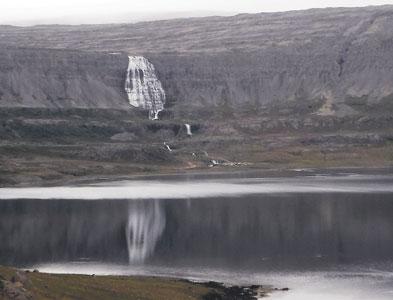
143	87
146	223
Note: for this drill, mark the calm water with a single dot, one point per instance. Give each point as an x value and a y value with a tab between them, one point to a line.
325	237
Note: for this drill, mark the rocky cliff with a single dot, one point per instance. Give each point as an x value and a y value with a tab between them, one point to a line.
322	61
61	78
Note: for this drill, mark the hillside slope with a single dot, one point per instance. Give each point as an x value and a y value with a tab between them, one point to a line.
324	61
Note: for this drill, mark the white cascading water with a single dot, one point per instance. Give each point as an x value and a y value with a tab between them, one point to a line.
142	86
146	223
188	127
168	147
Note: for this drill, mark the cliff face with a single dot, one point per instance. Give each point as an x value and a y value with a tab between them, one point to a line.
308	82
61	79
324	62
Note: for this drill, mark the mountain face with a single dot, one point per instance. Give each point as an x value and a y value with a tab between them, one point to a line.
297	89
322	61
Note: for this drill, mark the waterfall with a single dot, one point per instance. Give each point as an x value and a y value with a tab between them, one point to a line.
142	86
188	127
146	223
168	147
156	114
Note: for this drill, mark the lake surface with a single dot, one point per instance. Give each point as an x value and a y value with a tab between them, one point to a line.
323	236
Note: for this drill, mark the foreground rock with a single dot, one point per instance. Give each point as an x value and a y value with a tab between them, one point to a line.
16	287
222	292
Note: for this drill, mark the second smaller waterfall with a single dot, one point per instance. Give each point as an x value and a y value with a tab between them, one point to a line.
188	127
167	147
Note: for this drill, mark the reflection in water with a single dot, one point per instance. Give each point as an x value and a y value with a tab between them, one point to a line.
145	225
260	232
305	240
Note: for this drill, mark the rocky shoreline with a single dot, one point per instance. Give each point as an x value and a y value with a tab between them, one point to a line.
235	292
26	285
199	173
